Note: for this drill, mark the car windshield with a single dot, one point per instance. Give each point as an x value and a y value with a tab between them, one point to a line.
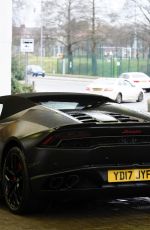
67	100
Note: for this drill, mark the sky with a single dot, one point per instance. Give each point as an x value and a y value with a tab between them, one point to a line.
115	5
33	12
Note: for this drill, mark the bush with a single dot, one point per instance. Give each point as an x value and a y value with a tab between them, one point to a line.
17	70
18	74
17	87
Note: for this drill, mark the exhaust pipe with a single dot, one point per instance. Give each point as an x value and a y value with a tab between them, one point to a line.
71	181
56	182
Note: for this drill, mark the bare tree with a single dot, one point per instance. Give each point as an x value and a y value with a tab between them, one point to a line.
140	17
142	8
72	22
62	18
17	6
93	36
95	17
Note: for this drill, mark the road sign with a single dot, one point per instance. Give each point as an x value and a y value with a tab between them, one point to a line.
27	45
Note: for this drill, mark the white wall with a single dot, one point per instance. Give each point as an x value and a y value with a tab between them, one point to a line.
5	46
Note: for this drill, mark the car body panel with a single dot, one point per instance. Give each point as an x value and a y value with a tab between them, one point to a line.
137	78
70	150
35	70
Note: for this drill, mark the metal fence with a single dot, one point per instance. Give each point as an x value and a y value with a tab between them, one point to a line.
83	65
103	67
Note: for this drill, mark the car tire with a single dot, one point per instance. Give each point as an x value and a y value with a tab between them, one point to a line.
119	98
15	183
140	97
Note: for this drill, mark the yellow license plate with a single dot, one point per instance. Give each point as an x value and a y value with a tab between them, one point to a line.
128	175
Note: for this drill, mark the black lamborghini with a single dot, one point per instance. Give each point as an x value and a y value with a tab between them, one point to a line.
71	145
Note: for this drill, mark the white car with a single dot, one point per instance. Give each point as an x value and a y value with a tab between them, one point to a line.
138	78
117	89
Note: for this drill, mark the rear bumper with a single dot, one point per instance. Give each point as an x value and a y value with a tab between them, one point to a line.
38	74
84	172
96	193
85	183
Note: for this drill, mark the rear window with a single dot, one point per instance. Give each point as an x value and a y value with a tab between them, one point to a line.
60	105
139	76
126	76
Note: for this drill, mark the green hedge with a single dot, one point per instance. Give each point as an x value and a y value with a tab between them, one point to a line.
18	74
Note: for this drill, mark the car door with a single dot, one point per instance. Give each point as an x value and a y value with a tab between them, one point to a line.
129	92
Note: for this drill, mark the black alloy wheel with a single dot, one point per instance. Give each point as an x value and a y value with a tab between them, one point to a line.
119	98
140	97
15	181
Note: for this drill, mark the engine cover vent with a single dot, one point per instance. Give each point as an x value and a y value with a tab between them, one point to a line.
123	118
83	117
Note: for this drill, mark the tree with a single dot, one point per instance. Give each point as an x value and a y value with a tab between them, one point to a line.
95	17
93	36
138	15
144	8
73	22
141	8
61	19
17	7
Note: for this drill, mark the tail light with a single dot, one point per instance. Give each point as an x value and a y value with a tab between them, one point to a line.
108	89
132	132
51	139
56	139
88	89
136	81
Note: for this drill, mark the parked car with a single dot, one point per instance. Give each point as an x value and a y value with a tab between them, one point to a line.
117	89
35	70
140	79
69	145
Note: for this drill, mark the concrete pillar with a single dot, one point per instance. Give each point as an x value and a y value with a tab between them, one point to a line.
5	46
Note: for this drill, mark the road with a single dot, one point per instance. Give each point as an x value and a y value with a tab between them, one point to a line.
126	214
117	214
62	84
